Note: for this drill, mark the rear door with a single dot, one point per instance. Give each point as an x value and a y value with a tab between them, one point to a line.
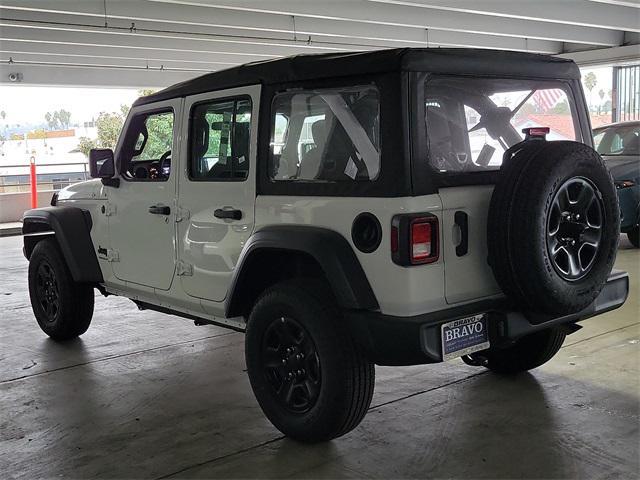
217	188
470	124
464	218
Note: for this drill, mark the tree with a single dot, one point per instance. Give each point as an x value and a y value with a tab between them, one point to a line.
3	114
64	117
52	121
85	144
109	126
38	134
590	82
561	108
160	138
59	119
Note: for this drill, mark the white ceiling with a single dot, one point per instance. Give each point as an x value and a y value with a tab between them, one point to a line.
159	42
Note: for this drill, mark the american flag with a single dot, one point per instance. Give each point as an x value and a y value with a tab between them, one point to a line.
547	99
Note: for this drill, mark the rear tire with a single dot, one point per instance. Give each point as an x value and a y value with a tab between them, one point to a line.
62	307
527	353
633	237
309	376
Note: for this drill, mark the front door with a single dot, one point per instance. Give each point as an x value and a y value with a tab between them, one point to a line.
142	209
217	188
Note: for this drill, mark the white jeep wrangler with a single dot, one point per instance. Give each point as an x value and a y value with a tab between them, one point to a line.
346	210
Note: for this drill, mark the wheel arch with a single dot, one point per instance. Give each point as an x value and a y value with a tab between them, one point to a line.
71	228
277	253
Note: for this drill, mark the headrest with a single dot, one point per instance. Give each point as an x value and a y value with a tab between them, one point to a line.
631	144
319	131
201	130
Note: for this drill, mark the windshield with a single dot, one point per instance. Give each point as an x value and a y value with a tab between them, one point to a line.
471	122
618	140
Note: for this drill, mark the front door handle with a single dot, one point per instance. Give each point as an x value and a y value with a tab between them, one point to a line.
159	210
228	213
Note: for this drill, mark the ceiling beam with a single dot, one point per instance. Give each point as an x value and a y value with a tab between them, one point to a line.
156	42
93	61
109	52
348	19
274	44
566	12
49	76
625	55
412	17
333	33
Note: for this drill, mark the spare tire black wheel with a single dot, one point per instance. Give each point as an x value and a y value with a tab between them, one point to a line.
553	226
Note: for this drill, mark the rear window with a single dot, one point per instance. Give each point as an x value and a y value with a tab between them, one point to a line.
471	122
618	140
329	135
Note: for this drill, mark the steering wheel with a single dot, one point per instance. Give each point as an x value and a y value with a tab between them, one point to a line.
165	161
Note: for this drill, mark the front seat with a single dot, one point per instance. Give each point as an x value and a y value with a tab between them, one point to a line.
631	144
312	160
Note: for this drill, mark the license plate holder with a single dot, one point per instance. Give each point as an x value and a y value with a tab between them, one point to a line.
464	336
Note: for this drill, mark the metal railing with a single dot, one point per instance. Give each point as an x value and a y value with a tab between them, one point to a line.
43	179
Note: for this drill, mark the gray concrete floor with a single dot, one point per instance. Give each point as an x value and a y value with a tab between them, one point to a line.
145	395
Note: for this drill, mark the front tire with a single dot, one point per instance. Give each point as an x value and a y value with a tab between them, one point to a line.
62	307
309	376
527	353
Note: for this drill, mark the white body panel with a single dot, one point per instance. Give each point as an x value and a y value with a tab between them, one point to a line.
400	290
468	277
146	257
152	249
211	246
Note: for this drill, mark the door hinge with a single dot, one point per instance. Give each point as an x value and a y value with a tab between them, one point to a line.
184	269
182	214
108	254
109	209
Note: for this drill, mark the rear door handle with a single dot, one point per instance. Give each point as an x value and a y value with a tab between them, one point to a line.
159	210
462	221
228	213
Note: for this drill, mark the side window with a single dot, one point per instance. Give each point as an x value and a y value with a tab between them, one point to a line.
597	140
617	144
147	149
330	135
220	137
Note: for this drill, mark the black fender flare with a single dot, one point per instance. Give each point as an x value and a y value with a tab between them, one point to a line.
327	247
71	227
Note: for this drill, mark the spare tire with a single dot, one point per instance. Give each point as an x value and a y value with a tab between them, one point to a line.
553	226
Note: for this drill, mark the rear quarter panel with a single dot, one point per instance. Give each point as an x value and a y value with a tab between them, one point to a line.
401	291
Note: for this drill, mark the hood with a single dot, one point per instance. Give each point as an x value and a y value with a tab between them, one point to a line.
88	190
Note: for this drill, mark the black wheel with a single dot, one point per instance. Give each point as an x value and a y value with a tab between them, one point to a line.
309	376
633	237
527	353
553	227
62	307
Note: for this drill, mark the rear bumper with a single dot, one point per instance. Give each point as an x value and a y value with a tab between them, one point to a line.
390	340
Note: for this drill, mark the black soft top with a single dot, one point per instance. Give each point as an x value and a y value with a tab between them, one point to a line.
466	61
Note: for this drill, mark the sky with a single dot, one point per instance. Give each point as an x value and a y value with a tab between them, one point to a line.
25	104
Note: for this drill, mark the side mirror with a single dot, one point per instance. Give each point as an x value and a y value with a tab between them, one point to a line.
101	163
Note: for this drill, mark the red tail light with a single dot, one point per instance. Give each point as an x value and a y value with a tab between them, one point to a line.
414	239
420	241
